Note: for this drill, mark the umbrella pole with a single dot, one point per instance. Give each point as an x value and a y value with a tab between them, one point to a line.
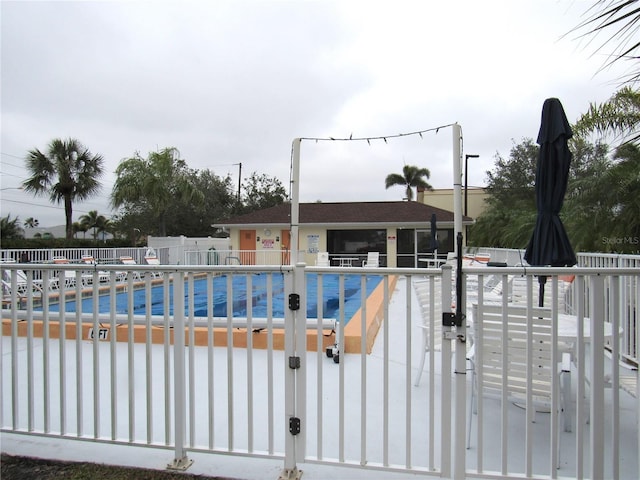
541	280
459	280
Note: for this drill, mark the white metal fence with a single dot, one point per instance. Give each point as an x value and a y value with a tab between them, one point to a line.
223	384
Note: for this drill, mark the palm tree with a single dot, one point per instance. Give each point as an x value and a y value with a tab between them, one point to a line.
31	222
619	116
92	220
76	228
614	23
412	177
67	172
104	226
10	228
155	183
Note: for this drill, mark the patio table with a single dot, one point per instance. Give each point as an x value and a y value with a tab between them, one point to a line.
346	261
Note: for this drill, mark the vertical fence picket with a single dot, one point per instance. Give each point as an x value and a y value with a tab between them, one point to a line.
37	397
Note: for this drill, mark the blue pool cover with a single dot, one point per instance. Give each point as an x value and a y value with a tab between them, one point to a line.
259	295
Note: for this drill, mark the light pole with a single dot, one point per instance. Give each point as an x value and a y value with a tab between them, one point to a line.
466	158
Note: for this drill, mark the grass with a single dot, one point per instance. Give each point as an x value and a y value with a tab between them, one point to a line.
16	467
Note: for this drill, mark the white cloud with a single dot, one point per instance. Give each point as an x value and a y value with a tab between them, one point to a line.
235	81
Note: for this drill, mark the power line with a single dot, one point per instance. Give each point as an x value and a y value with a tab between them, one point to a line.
10	155
39	205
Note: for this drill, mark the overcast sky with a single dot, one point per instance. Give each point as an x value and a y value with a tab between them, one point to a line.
229	82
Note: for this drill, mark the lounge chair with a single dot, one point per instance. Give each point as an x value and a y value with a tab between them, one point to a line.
69	275
103	275
373	260
22	283
128	260
152	259
524	347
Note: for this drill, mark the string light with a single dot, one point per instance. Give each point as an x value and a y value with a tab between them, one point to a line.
359	139
381	137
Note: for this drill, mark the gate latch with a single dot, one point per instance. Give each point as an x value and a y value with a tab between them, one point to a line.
451	319
294	301
294	425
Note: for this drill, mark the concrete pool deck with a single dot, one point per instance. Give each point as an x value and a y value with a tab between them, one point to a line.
241	337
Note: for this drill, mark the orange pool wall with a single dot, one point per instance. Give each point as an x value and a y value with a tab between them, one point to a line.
259	339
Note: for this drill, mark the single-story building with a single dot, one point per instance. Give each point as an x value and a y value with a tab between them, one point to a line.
399	231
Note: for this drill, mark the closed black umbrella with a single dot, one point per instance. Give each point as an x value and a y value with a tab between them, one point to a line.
549	244
433	245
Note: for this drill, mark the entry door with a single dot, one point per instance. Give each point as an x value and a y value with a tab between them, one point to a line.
285	246
248	247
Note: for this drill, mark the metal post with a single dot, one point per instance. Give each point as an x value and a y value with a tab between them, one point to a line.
460	412
295	200
292	418
300	352
596	312
445	433
457	181
180	461
466	181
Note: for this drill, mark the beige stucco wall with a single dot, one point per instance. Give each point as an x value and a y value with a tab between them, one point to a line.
443	198
310	240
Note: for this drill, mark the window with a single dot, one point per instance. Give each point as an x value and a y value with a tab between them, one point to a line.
357	241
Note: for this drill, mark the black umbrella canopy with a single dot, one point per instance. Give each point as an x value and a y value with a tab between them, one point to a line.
434	244
549	244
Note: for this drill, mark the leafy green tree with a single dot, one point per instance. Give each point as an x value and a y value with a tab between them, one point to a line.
68	171
511	211
136	220
154	184
594	199
219	199
260	191
10	228
587	205
411	177
621	232
132	223
31	222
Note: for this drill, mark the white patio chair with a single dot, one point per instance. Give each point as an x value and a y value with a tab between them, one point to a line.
322	259
373	260
422	288
489	351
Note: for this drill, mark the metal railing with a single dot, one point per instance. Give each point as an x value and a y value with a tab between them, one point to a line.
218	383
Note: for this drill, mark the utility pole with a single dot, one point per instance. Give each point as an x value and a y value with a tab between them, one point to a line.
239	179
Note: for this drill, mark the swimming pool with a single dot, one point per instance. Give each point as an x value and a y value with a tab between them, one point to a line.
259	295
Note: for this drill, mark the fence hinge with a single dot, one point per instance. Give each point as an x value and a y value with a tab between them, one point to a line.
294	425
294	301
451	319
294	363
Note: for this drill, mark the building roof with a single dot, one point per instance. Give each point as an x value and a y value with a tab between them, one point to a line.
405	214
